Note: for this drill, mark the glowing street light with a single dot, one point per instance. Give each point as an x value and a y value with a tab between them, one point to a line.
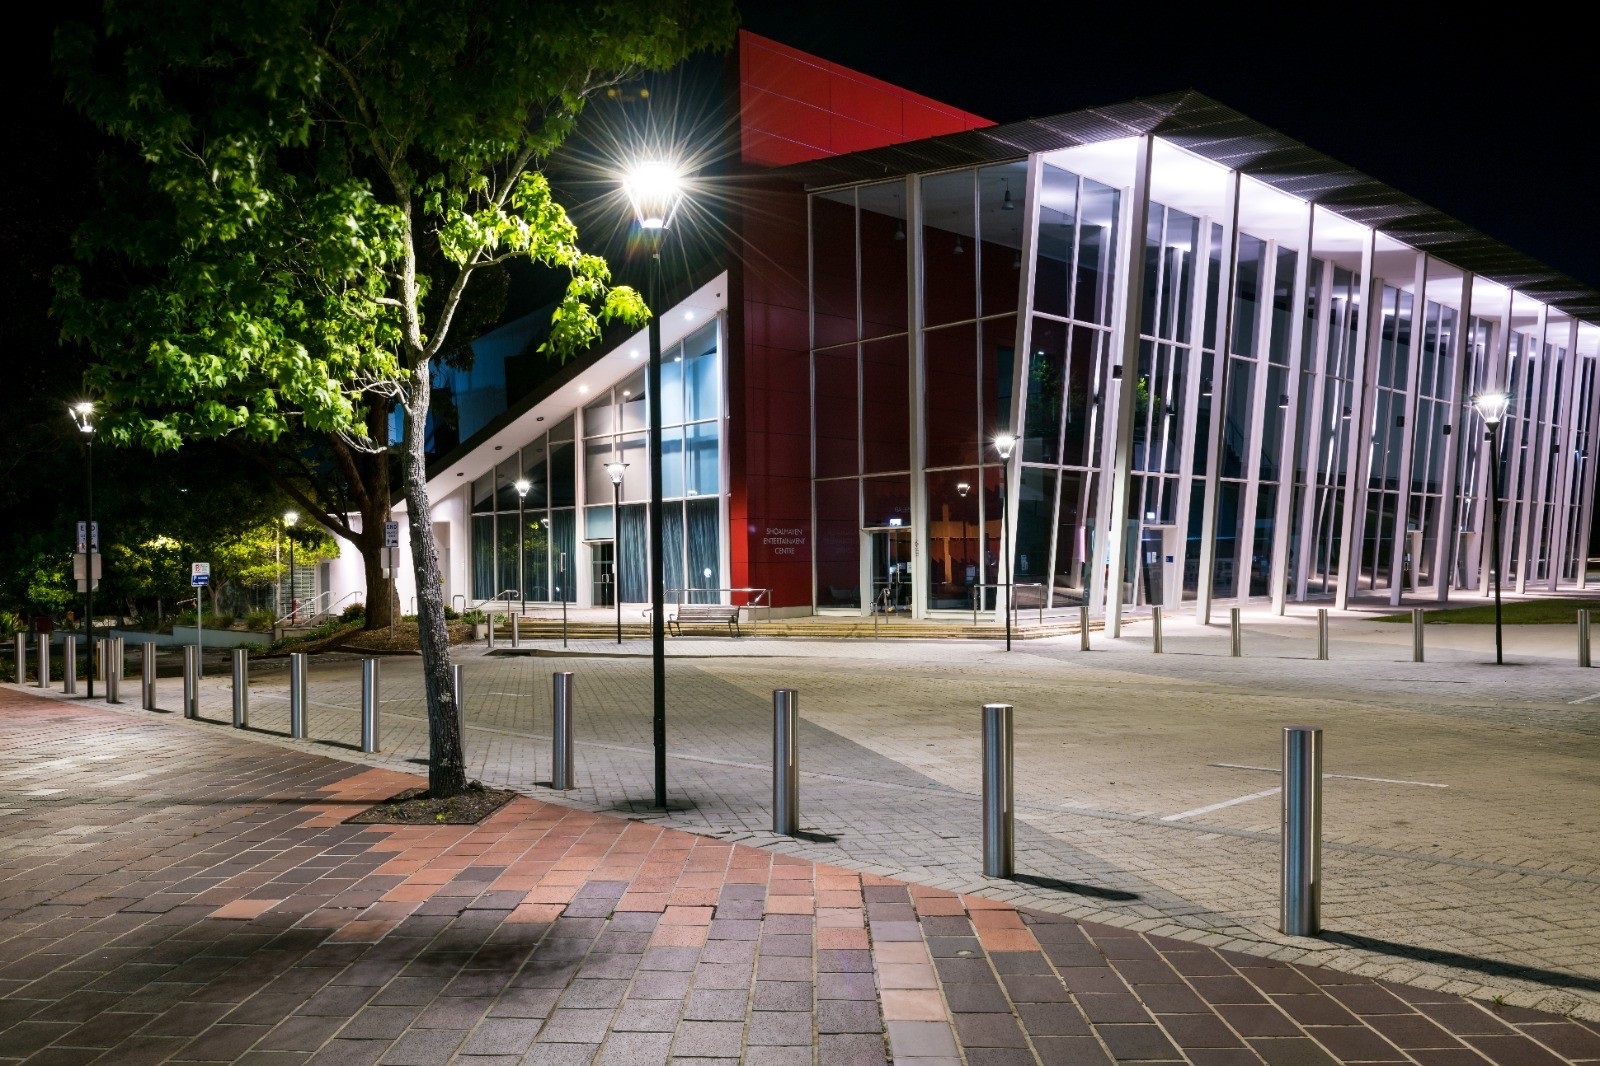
290	519
1492	406
615	469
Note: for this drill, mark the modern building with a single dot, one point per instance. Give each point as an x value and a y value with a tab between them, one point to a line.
1236	370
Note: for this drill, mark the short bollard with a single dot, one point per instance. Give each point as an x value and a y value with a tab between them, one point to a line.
1302	830
297	695
20	646
147	675
1583	638
1083	627
44	660
1155	630
113	647
997	821
1416	635
516	630
1235	634
785	761
69	664
191	681
490	630
1322	632
561	732
369	705
241	688
458	692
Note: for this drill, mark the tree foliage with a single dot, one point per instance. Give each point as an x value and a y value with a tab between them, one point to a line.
308	189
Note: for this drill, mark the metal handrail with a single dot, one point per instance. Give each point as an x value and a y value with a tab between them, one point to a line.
310	611
1012	600
880	607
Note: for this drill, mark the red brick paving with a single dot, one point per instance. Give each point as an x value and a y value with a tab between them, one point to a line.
211	905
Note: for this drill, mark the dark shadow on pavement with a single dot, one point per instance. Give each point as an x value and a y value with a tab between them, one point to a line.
1057	885
1473	963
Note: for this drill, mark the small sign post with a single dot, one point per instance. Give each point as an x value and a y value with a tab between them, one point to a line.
199	578
391	565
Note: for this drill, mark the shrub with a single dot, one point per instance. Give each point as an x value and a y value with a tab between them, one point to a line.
356	612
260	621
476	618
450	614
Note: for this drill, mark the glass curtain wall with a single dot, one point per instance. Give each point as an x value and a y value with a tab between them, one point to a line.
499	555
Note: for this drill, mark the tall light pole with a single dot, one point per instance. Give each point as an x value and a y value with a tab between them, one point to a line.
655	191
289	520
1492	406
615	469
522	485
83	415
1003	444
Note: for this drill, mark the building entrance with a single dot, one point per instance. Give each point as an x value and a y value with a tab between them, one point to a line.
889	571
603	576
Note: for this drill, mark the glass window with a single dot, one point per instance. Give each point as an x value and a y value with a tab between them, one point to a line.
949	253
1058	220
701	375
838	543
671	463
1001	213
563	471
1046	392
630	395
635	451
506	473
483	493
482	556
833	266
598	417
703	472
833	410
597	523
672	386
597	480
950	398
534	470
885	414
704	554
1097	253
998	340
954	526
884	305
563	545
887	501
1036	512
1247	294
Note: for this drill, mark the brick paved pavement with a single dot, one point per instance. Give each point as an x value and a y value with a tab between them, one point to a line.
186	894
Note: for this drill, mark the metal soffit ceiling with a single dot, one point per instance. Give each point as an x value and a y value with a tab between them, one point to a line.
1216	132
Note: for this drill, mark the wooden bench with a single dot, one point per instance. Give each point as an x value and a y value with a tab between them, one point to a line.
704	614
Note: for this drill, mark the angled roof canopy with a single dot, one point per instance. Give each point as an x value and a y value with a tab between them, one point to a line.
1216	132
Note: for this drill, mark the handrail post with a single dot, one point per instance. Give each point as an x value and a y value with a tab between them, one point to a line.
998	824
1302	831
241	688
786	761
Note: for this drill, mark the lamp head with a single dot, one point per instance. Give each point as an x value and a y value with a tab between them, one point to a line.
522	486
1492	406
291	517
962	488
83	414
615	470
654	189
1004	443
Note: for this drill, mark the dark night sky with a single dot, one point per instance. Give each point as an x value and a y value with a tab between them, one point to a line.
1487	116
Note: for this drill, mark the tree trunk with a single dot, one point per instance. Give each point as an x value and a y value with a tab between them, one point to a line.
447	772
376	502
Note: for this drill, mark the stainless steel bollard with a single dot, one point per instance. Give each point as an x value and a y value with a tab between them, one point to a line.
369	705
297	695
785	761
490	630
114	654
1235	634
458	691
241	687
561	732
147	674
516	630
1083	627
69	664
191	681
1583	638
1302	830
1416	635
44	660
20	645
1155	630
1322	632
998	851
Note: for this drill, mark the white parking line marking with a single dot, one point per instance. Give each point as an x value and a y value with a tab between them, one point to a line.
1219	806
1342	777
1586	699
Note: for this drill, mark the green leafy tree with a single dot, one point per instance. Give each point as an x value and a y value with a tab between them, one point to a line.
307	192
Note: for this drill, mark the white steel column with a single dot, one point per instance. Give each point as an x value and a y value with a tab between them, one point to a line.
1359	446
1019	362
1314	422
1249	497
1461	423
1561	453
1529	473
1189	425
1291	423
1125	347
1586	503
917	433
1219	381
1408	439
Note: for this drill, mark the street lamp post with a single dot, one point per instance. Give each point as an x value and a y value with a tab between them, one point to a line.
1003	444
83	414
615	469
522	486
1492	406
655	191
962	488
289	520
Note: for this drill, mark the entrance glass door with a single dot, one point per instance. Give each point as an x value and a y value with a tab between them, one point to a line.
603	578
889	559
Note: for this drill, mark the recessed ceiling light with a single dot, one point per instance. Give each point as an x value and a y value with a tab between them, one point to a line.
539	418
461	473
634	354
627	392
583	388
688	316
497	447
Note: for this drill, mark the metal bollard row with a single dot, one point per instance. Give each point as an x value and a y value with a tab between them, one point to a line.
191	681
69	664
44	660
998	822
1416	635
1235	634
1583	638
1083	627
561	731
241	688
1322	632
1301	913
114	668
369	705
785	761
147	675
1155	630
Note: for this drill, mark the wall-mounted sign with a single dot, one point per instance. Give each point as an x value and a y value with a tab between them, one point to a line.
784	541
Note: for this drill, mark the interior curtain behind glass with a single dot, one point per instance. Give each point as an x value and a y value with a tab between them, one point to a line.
563	541
633	572
672	552
704	548
482	556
